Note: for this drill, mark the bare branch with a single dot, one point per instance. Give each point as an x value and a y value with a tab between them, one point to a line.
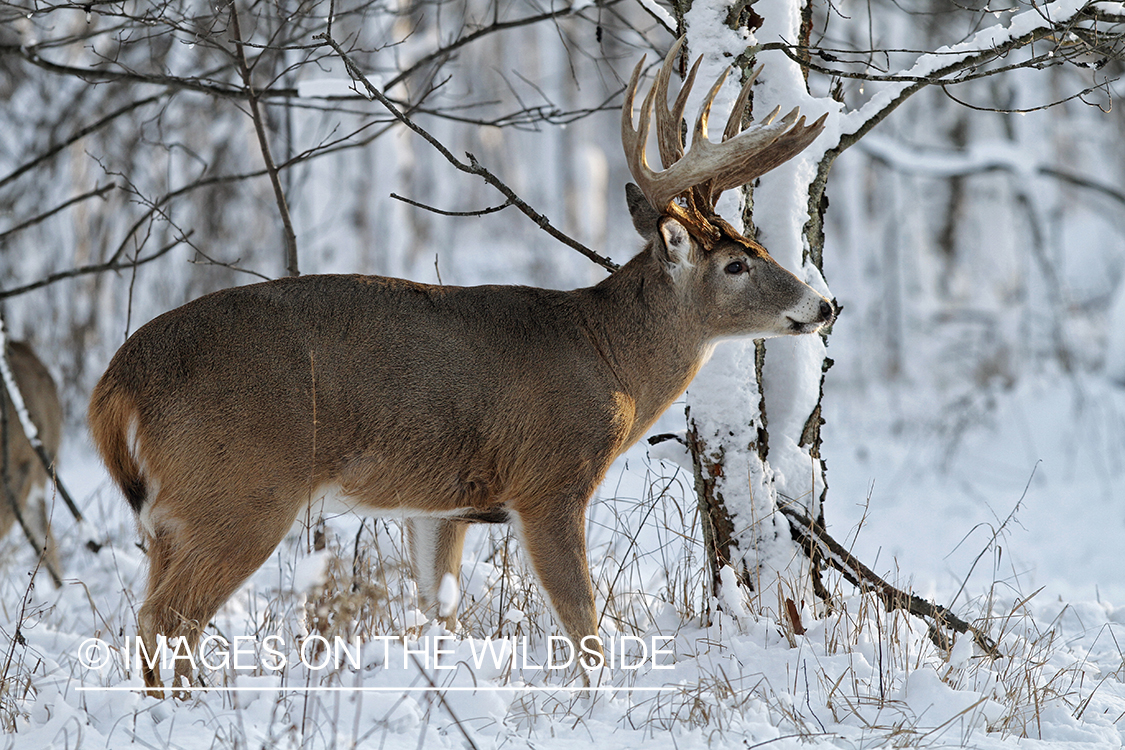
95	193
473	167
76	136
264	144
112	265
478	212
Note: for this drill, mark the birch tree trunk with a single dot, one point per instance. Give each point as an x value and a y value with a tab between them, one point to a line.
754	412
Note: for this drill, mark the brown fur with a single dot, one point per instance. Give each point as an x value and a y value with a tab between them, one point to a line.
495	400
26	471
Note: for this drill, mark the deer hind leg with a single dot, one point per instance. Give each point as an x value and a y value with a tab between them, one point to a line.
28	486
556	543
19	481
435	546
195	564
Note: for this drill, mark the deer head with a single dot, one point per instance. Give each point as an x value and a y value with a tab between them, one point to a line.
675	207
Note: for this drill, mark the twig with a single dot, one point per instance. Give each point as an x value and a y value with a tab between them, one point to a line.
263	142
472	167
478	212
445	704
111	265
95	193
822	547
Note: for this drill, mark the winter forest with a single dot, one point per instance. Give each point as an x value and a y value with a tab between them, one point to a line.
904	530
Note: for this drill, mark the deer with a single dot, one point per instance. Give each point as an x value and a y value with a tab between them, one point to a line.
27	477
223	419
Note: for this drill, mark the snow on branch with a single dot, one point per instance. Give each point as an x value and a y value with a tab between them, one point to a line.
663	17
1061	20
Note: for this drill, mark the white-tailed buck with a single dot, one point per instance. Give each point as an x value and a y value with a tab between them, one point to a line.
26	475
223	419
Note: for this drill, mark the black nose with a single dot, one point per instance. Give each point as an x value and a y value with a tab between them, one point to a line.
827	312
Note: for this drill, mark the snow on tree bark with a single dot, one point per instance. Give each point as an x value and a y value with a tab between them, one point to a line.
754	411
749	414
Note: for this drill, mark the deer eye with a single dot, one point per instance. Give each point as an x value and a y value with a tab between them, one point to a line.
735	267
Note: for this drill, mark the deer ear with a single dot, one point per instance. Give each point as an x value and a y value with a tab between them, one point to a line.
675	242
646	219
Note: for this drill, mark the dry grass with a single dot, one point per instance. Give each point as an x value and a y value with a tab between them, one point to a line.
845	678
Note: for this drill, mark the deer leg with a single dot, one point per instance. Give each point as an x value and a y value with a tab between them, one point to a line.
19	481
556	543
435	546
195	565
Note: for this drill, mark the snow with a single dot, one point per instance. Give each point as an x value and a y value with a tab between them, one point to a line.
858	677
660	13
1004	505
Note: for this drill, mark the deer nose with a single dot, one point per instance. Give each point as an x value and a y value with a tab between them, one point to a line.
827	312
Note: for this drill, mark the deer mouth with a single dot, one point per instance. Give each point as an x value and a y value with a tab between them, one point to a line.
800	326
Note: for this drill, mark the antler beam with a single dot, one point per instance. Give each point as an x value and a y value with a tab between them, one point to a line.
700	175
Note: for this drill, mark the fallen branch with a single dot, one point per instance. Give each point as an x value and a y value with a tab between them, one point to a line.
823	549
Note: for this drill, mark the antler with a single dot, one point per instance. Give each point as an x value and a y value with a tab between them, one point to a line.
707	169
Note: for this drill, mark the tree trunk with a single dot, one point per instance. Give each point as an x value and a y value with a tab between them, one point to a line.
754	413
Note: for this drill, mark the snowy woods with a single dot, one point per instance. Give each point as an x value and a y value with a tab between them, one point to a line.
964	205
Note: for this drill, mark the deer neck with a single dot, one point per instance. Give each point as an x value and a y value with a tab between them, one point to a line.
647	334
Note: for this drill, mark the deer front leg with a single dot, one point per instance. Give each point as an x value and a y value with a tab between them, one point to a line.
435	546
556	543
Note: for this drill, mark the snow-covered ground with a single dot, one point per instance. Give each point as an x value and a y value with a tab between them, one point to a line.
1012	515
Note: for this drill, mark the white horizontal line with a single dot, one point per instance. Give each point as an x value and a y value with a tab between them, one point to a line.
411	689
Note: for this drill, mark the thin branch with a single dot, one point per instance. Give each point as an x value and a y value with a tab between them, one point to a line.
95	193
473	166
493	27
78	135
264	144
94	75
1079	95
478	212
111	265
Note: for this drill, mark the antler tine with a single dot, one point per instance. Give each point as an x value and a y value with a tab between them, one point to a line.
708	168
734	122
783	140
633	139
699	135
668	133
